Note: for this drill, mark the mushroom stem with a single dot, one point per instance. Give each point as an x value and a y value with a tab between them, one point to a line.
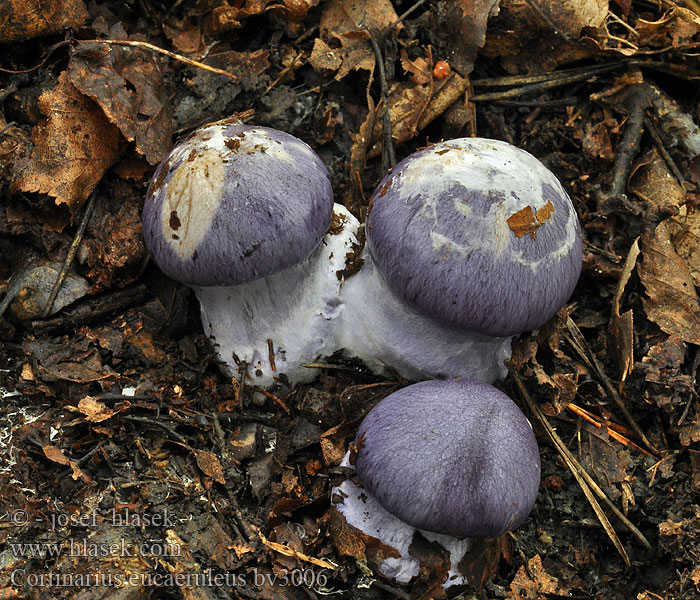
384	331
363	511
276	324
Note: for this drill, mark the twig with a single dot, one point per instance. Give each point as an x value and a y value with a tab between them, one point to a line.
670	163
275	399
628	148
401	18
587	483
283	73
154	48
49	52
578	343
7	127
287	551
151	421
586	416
564	74
391	590
71	253
547	84
388	155
92	310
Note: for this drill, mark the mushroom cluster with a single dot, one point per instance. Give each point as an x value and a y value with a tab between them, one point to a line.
451	459
469	242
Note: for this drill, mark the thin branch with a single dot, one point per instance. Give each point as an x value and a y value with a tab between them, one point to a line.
153	48
72	251
587	483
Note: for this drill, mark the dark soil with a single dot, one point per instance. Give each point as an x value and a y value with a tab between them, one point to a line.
127	457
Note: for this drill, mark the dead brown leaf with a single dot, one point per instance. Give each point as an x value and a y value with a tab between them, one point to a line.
73	147
342	16
27	19
127	83
94	410
466	21
534	583
67	360
346	25
653	181
522	37
481	561
672	301
333	443
226	17
685	235
354	52
596	141
210	465
413	107
571	16
527	221
621	326
664	360
419	69
676	27
185	35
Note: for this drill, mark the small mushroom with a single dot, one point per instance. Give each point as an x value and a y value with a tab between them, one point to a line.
469	242
244	215
452	459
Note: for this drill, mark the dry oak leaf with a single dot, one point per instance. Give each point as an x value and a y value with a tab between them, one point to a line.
413	107
73	147
128	85
653	181
354	52
25	19
419	69
676	27
346	26
672	301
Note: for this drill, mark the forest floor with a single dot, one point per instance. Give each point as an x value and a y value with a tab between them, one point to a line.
128	461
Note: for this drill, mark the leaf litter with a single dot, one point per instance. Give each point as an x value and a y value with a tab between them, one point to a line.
115	403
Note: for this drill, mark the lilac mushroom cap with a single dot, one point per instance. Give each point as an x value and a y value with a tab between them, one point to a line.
451	457
234	203
477	234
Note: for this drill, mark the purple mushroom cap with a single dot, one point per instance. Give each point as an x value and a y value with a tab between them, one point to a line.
453	457
478	234
233	203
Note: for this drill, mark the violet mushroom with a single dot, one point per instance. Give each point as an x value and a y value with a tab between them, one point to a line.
469	242
452	459
241	214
